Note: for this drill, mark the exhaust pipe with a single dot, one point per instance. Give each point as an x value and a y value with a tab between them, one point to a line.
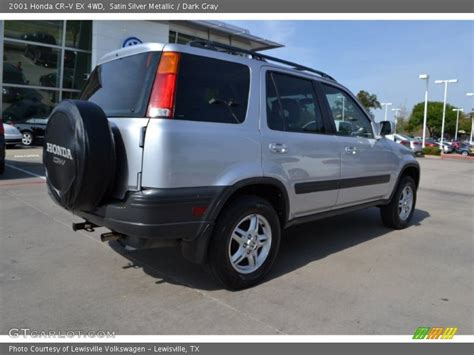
105	237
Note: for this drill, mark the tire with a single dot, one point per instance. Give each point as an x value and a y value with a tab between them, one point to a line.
79	155
244	211
27	138
395	214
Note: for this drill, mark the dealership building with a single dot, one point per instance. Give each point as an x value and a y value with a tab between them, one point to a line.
45	62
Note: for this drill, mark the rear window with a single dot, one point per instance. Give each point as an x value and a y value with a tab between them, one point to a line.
211	90
122	87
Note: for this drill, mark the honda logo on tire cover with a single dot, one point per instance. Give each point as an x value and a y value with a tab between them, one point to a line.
59	151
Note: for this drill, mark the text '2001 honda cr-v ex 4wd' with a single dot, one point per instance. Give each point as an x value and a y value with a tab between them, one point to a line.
219	149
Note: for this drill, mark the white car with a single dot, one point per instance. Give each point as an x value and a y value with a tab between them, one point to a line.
12	135
408	142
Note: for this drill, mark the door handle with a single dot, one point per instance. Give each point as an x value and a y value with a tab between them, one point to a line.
278	148
350	150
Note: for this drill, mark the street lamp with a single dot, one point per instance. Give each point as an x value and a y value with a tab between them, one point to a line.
343	104
457	121
395	115
472	119
445	82
386	104
425	114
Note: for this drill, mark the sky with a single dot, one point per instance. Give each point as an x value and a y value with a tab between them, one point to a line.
382	57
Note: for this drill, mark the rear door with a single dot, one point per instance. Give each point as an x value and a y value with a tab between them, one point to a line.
367	163
121	87
295	146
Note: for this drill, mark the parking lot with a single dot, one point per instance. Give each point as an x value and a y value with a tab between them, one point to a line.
343	275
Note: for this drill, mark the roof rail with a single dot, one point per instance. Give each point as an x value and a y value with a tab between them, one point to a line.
255	55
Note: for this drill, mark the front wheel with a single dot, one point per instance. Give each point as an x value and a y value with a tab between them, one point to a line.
398	213
244	243
27	138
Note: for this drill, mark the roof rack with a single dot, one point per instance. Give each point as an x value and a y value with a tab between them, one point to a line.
255	55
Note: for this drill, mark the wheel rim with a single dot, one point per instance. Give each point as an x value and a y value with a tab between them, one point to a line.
250	244
26	139
405	204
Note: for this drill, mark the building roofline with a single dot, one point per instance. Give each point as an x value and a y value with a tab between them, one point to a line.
238	32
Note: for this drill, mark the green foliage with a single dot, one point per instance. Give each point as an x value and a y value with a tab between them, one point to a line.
434	119
431	151
369	101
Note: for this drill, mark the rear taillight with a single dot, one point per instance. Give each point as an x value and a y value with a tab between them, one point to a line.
405	143
161	102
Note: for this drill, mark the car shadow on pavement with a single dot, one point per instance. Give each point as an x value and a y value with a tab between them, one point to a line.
15	170
300	246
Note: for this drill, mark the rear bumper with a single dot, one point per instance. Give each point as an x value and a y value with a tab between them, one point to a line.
179	213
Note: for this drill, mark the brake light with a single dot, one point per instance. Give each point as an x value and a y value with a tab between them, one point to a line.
405	143
2	130
162	97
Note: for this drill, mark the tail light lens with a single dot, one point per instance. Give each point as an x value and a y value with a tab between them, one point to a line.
161	102
405	143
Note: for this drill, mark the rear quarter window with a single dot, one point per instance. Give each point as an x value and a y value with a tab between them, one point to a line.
122	87
211	90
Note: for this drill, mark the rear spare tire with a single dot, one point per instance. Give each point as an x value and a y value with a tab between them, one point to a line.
79	155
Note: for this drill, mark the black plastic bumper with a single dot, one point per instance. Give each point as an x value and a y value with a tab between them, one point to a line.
180	213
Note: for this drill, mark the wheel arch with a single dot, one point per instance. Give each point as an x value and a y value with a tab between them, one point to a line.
268	188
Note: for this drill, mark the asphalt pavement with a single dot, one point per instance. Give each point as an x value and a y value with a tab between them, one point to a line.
343	275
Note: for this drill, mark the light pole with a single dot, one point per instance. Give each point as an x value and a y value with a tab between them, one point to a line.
425	114
445	82
386	104
395	115
472	119
457	121
343	104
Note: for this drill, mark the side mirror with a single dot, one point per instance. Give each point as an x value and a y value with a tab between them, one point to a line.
386	128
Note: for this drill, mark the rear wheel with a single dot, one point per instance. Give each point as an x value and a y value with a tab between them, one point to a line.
244	243
398	213
27	138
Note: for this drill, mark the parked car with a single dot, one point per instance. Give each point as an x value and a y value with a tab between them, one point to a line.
2	148
32	130
446	148
218	149
12	135
465	150
25	109
430	142
411	143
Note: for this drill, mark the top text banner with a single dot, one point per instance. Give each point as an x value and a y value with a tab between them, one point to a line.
237	6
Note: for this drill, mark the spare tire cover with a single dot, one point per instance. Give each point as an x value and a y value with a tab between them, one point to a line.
79	155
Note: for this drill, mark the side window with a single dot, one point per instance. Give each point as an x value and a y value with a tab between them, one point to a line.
349	119
211	90
292	104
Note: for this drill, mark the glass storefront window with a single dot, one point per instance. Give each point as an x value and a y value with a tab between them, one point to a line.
46	32
76	68
20	104
71	95
27	64
79	34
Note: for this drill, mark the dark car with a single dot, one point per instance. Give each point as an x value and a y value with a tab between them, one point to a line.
2	147
32	130
41	55
52	80
25	109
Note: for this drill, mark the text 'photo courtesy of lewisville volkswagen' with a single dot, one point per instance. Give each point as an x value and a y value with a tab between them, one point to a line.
236	177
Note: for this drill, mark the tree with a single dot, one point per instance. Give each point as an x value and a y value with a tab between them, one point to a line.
369	101
434	118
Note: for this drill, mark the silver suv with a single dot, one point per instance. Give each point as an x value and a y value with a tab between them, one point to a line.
219	149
